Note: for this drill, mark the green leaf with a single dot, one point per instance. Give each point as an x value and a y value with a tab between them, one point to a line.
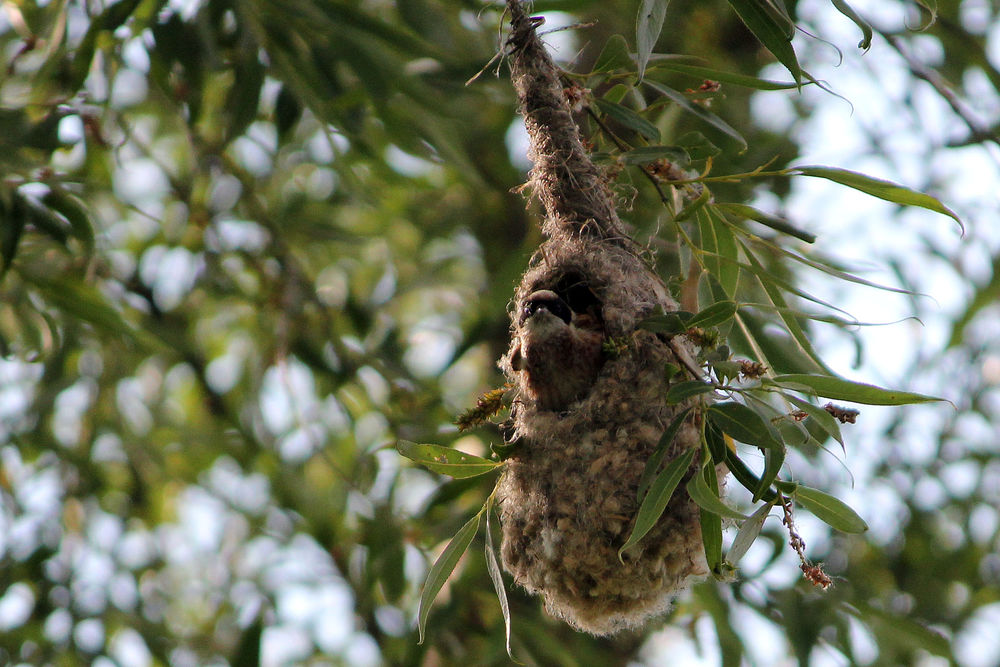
693	207
743	424
748	532
697	145
494	571
832	511
84	302
685	390
866	29
774	458
671	324
717	238
699	111
768	220
881	189
822	418
446	460
75	212
773	32
700	491
711	522
629	119
657	498
723	76
744	475
248	649
840	389
647	30
647	154
716	443
442	569
771	285
714	315
12	221
614	56
656	458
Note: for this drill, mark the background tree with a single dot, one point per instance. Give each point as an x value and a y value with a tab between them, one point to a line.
246	246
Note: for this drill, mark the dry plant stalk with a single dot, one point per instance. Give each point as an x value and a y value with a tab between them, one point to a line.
587	421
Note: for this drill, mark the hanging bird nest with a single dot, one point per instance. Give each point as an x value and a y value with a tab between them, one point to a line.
590	387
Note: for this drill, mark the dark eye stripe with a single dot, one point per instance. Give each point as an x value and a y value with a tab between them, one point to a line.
549	302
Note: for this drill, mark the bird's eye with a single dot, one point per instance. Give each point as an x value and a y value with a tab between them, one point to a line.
548	301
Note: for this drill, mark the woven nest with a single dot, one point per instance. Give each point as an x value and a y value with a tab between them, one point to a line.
569	496
587	415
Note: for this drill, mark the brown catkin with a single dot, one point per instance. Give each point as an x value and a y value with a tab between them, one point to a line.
568	497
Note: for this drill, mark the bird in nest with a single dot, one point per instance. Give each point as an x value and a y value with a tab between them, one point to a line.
559	350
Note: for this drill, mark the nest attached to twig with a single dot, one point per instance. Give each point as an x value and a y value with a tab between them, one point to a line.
568	497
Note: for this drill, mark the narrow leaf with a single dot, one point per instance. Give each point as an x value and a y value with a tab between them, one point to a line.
744	475
446	460
699	111
823	418
882	189
866	29
647	30
694	206
656	458
748	532
629	119
685	390
768	220
726	77
667	323
442	569
660	492
840	389
774	458
711	522
714	315
716	443
743	424
832	511
494	570
773	34
708	498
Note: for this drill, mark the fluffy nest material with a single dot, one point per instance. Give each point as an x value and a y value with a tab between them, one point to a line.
568	497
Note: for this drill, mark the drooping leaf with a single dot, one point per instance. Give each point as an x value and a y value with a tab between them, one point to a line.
687	389
881	189
446	460
723	76
656	458
768	220
707	496
840	389
629	119
667	323
744	475
716	442
748	532
866	29
493	567
822	418
442	569
772	287
772	32
830	510
647	30
774	458
714	315
717	237
743	424
660	492
711	521
248	649
699	111
694	206
902	631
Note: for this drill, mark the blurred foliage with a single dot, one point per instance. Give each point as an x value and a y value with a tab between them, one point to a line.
247	246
